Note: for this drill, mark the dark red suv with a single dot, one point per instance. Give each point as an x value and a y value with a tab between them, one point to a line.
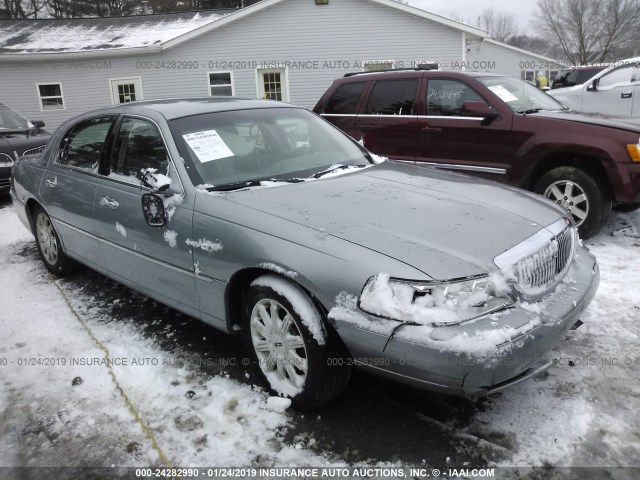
497	127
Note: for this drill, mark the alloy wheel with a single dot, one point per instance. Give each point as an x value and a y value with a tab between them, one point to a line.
570	196
47	239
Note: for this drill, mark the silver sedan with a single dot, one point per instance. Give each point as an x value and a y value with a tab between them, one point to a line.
265	221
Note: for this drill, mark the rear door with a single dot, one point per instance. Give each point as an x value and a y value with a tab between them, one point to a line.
69	185
342	106
388	124
156	260
450	139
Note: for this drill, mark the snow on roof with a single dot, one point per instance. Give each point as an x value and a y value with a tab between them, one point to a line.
91	34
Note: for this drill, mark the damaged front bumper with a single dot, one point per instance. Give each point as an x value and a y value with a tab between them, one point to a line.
478	357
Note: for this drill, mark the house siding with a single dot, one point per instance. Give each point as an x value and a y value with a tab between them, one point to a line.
340	34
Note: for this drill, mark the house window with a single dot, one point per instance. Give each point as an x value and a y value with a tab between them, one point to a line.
51	97
373	65
221	83
272	85
528	76
126	90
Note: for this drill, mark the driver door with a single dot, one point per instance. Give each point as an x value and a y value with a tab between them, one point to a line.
154	260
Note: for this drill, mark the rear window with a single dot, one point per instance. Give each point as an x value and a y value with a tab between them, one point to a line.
344	100
393	97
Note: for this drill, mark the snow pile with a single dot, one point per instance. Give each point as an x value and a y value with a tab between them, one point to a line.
278	404
278	269
204	244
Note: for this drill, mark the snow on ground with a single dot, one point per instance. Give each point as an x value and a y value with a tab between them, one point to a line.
583	412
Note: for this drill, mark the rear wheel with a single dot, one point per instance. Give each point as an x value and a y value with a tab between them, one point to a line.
585	199
49	246
294	356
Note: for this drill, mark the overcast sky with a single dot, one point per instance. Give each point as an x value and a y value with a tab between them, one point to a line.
470	10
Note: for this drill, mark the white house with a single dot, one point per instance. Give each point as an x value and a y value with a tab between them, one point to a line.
288	50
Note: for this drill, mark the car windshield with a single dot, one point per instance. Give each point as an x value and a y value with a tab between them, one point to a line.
520	96
10	120
282	144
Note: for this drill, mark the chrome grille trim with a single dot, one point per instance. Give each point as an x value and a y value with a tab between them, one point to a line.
5	160
541	261
34	151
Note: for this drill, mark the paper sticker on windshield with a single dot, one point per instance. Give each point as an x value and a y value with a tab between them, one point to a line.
208	145
504	94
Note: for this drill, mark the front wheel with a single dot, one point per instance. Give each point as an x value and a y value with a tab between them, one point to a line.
585	199
289	345
49	246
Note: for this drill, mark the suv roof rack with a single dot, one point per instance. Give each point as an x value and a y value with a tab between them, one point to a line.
420	67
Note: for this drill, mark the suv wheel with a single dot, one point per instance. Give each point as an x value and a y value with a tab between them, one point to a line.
586	199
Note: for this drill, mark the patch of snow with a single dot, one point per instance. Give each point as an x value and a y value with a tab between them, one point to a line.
69	36
204	244
121	230
171	238
278	404
171	203
377	159
300	302
278	269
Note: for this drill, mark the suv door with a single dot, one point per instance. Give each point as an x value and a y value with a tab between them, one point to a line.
388	124
614	92
155	260
69	185
449	138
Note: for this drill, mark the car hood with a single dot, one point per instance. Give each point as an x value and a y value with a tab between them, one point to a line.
612	121
20	142
445	225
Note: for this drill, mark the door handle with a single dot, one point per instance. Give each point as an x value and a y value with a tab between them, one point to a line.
108	202
365	126
429	129
51	183
626	94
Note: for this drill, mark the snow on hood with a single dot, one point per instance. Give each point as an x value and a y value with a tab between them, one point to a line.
445	225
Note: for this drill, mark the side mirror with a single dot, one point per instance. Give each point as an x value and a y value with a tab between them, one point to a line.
153	210
593	87
38	123
478	109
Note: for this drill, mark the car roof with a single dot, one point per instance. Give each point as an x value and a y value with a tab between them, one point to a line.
172	108
413	73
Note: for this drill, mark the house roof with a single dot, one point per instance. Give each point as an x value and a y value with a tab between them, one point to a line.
33	40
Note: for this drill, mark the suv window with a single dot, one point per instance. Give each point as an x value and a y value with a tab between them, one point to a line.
345	99
445	97
83	145
619	76
138	146
393	97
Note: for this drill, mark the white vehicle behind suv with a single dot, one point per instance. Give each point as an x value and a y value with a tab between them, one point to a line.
613	91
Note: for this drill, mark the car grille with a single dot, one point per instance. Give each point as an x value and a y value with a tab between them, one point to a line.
34	151
543	269
5	160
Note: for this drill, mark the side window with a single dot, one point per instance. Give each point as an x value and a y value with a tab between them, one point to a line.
618	77
445	97
344	100
393	97
138	146
84	145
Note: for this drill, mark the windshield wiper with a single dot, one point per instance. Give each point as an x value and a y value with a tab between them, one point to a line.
227	187
334	169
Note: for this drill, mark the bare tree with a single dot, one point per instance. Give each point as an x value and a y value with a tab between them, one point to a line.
589	31
500	25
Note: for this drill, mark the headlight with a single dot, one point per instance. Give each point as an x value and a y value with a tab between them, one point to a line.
435	303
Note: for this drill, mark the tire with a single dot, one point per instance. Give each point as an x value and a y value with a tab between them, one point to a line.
304	367
627	207
49	246
586	199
